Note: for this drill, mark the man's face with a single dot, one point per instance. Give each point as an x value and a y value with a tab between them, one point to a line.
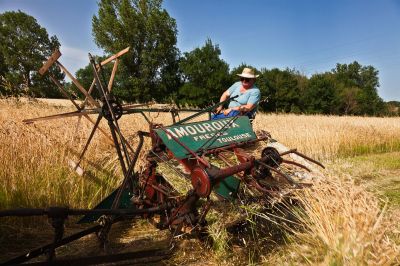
247	83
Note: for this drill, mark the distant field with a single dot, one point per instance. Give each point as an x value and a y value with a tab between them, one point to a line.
34	172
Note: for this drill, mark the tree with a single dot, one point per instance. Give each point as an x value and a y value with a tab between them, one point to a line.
358	85
150	70
319	97
282	89
24	45
205	75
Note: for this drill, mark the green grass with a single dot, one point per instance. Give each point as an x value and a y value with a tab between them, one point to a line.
380	172
388	161
368	149
393	195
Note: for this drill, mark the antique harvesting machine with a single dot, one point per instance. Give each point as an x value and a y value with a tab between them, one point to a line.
217	158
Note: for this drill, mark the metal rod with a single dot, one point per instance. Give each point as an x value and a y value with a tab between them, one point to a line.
41	250
303	156
205	110
54	212
63	115
297	164
89	140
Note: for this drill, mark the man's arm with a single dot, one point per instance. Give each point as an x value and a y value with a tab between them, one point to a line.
251	103
245	108
224	97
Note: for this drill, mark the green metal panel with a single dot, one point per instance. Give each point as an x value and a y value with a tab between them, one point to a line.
206	135
125	203
228	188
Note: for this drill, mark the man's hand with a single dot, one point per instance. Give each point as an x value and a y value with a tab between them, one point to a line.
227	111
218	109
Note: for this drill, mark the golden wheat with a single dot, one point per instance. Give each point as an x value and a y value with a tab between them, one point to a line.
327	137
342	224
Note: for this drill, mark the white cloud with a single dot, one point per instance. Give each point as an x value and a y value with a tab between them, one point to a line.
75	58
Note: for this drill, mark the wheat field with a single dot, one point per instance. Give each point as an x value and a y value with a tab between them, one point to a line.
343	223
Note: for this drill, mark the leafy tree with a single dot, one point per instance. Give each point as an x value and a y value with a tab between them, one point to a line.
282	89
24	45
358	89
392	108
205	75
150	70
319	97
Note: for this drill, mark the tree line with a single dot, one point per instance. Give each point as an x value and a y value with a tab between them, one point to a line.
155	69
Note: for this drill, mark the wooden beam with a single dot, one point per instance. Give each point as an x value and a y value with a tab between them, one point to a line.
53	58
110	82
115	56
77	84
64	92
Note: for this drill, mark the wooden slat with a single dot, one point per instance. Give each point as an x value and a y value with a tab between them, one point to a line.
109	139
53	58
77	84
64	92
115	56
89	92
110	82
80	108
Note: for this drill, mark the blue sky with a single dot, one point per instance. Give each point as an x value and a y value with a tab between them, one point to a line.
310	36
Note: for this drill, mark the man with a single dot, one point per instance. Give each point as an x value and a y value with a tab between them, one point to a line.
246	103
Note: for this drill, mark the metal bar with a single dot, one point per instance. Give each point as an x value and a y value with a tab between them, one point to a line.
297	164
113	125
102	64
65	211
221	174
303	156
138	257
114	121
257	185
231	146
89	140
290	180
132	109
309	159
39	251
63	115
109	139
205	110
145	117
129	172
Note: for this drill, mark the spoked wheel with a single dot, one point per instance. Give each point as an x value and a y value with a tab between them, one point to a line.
180	217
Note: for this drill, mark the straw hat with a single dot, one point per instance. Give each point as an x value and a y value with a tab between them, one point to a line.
248	73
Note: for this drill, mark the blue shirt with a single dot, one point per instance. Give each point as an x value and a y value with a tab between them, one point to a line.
250	96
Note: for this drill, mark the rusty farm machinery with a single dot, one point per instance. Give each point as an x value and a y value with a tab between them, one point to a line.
212	156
